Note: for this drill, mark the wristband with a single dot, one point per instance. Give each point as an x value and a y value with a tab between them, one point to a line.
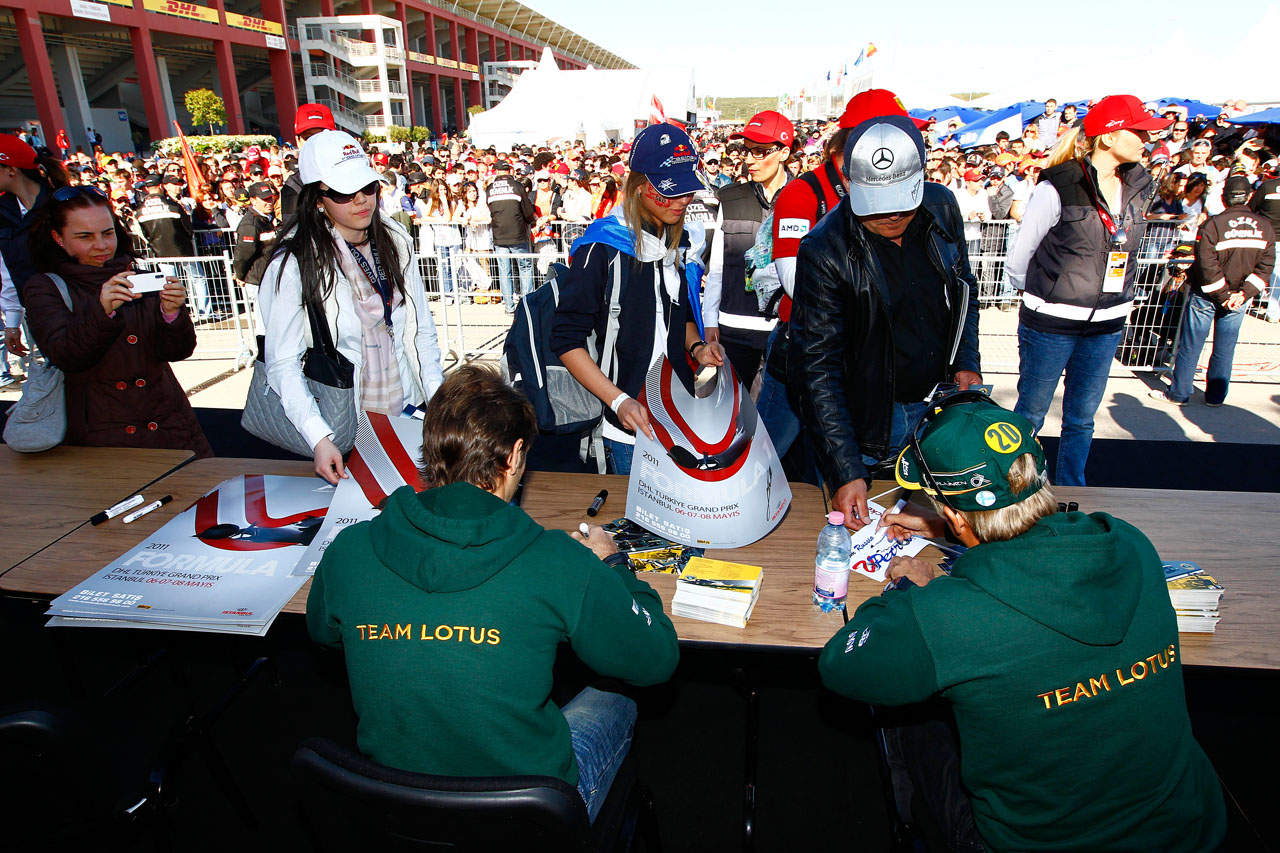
693	346
618	401
616	560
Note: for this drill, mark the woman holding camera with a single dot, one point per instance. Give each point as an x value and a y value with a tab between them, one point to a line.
115	343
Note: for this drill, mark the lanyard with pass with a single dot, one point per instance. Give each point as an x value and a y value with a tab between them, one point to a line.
1117	261
377	278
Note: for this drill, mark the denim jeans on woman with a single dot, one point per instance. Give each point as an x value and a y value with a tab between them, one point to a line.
1086	359
1201	314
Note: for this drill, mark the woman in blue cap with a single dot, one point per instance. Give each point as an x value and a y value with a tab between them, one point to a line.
643	252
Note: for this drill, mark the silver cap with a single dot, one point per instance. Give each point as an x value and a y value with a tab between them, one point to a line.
884	162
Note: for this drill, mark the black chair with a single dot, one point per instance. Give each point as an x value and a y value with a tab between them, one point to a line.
346	798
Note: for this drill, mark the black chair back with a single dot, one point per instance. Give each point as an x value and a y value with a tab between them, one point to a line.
347	798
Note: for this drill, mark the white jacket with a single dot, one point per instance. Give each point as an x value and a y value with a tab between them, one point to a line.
289	335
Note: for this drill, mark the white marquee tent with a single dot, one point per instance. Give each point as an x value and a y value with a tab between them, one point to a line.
548	104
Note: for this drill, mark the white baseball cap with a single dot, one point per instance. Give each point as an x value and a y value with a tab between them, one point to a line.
336	159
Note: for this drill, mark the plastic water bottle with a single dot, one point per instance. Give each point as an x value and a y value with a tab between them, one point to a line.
831	568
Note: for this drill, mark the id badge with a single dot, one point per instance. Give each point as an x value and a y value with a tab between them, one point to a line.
1113	280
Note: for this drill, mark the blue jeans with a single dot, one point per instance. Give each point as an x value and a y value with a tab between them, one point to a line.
617	456
905	417
776	413
504	272
444	256
600	725
1199	316
1042	358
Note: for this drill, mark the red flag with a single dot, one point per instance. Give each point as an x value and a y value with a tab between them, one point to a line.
195	178
656	114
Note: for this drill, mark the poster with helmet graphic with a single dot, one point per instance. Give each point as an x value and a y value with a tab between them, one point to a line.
225	563
710	477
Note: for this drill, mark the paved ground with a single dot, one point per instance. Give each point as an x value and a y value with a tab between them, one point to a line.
1251	414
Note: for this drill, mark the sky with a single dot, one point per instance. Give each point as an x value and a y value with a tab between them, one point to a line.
751	47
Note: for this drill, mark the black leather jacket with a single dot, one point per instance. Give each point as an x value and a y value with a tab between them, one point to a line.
842	340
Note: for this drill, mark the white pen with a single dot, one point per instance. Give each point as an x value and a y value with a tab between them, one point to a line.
897	508
154	505
585	530
112	512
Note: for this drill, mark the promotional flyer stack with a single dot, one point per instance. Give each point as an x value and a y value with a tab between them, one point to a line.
232	560
1195	597
717	591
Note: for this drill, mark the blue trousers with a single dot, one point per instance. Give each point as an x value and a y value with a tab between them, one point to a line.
617	456
1042	359
504	273
1201	314
601	726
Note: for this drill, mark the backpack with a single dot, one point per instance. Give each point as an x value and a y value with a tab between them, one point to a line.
38	421
562	405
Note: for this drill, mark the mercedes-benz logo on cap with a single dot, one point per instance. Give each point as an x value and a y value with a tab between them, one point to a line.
882	158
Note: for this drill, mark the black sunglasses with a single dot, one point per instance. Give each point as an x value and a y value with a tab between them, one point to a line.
958	398
344	198
68	193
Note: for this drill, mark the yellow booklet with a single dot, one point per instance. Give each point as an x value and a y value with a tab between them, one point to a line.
720	574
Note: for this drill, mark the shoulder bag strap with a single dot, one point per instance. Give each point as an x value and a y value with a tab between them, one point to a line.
320	335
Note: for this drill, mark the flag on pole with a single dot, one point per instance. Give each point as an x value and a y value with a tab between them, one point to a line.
871	49
196	183
862	54
656	114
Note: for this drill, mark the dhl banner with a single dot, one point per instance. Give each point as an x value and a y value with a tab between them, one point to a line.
180	9
467	66
424	58
446	63
258	25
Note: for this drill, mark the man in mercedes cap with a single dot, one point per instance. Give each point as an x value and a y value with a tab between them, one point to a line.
885	308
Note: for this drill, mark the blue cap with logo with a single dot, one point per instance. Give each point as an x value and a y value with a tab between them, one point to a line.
665	155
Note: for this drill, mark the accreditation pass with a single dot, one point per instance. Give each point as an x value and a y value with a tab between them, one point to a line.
1113	281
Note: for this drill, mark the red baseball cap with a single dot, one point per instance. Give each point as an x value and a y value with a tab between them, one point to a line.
14	152
1121	112
768	126
973	175
874	103
312	117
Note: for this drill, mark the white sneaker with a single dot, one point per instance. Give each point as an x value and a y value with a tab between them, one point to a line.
1163	397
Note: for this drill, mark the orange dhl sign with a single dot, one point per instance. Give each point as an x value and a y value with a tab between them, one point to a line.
191	11
447	63
258	25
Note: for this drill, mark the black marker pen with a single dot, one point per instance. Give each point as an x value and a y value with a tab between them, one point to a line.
597	503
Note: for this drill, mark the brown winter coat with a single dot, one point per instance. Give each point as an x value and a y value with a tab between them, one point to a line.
120	389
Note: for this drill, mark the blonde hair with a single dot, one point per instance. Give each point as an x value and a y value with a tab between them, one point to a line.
1072	145
632	190
999	525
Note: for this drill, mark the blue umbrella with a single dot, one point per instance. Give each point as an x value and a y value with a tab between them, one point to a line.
945	114
1195	109
1271	116
1011	119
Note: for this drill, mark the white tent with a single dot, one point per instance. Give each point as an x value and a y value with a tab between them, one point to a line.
548	104
543	106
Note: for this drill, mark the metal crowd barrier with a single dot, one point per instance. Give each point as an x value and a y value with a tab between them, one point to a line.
223	313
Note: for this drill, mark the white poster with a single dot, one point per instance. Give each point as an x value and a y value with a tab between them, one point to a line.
711	477
227	559
873	549
387	455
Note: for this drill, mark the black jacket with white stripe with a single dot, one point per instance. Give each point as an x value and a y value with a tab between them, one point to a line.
1235	252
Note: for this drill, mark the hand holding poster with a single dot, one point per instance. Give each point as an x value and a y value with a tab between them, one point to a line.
710	477
387	454
873	549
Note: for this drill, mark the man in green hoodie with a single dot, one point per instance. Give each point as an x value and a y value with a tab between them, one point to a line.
1052	639
451	603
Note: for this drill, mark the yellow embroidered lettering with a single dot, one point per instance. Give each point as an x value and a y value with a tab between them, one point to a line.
494	638
1120	675
425	635
386	633
1133	670
462	631
476	639
360	628
1081	690
373	632
1045	697
447	635
1163	657
1060	693
1151	661
402	631
1172	654
1095	683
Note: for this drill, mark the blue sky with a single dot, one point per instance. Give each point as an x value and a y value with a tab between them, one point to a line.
753	47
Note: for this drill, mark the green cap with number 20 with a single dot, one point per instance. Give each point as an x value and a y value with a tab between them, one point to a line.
969	449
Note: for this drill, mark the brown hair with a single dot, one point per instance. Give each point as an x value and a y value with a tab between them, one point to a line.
470	426
632	189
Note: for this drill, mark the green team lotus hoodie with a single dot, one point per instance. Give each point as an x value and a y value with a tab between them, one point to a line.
449	607
1059	653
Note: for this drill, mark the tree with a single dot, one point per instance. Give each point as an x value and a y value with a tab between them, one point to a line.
206	108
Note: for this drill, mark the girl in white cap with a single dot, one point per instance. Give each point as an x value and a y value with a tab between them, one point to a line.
343	255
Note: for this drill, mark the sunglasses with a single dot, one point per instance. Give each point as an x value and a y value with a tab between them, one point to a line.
345	198
761	152
68	193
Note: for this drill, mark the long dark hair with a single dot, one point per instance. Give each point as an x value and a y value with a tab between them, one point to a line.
45	251
311	244
49	170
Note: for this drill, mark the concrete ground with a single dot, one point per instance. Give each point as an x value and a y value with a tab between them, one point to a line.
1251	414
